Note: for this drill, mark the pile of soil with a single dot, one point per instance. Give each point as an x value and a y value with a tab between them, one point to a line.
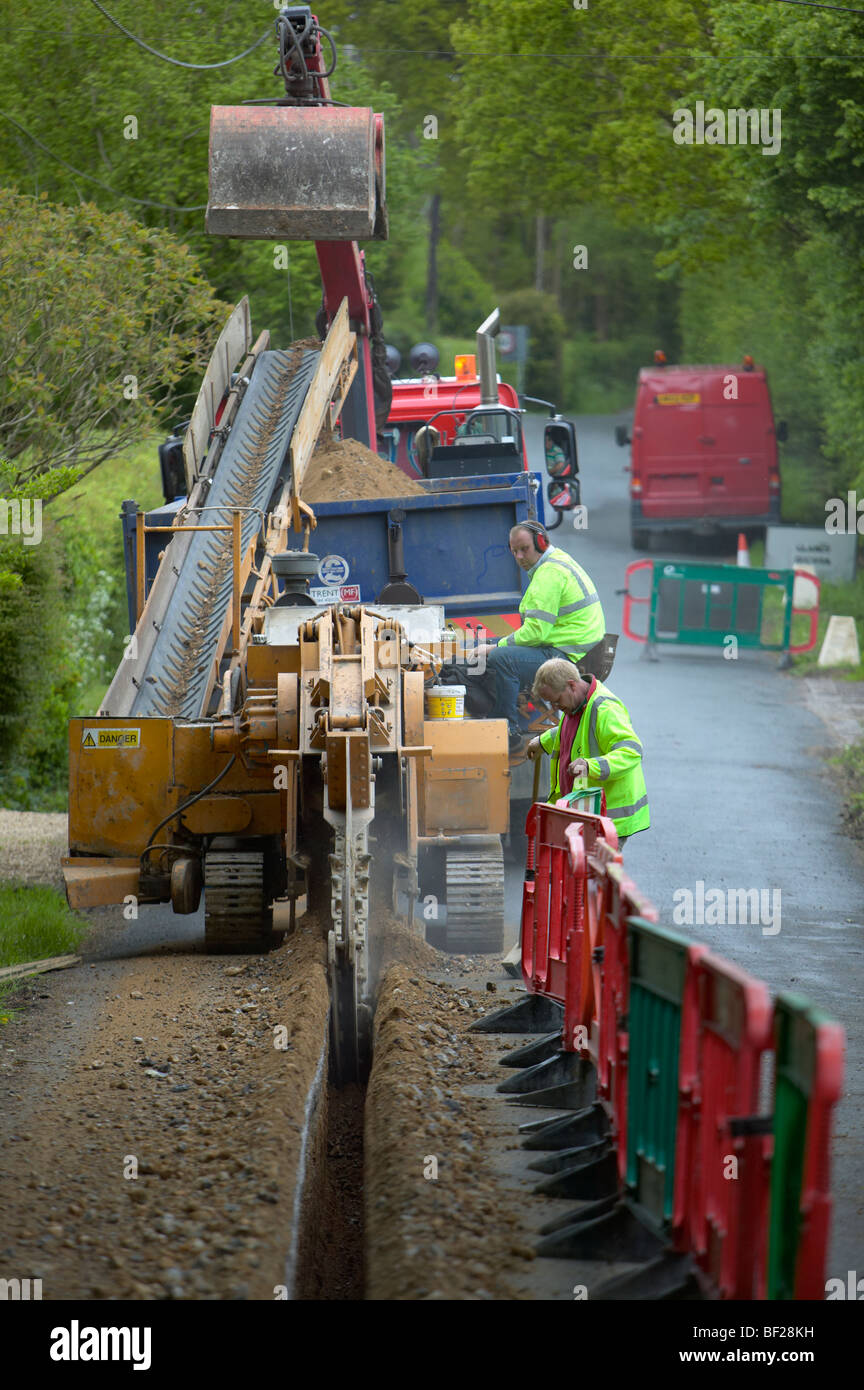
439	1222
345	470
391	942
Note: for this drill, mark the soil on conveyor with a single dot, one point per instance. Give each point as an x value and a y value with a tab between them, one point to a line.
345	470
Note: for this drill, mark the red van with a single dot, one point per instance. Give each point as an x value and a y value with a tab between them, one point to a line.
704	451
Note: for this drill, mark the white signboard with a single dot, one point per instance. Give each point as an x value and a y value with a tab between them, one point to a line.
346	593
830	557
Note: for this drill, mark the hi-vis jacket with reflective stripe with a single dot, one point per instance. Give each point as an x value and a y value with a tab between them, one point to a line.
560	608
607	740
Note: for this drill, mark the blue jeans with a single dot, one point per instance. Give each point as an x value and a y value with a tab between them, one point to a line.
514	669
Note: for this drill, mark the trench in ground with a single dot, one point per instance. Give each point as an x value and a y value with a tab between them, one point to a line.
330	1252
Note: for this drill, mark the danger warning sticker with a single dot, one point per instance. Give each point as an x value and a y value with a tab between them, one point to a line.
111	738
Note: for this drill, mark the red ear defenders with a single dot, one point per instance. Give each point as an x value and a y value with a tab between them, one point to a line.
541	539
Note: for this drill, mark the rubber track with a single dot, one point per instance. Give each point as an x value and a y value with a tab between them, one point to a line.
236	914
475	901
175	681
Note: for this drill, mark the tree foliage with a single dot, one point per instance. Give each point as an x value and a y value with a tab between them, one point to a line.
100	321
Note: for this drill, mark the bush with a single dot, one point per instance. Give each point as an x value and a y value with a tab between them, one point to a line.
62	620
29	597
600	377
539	312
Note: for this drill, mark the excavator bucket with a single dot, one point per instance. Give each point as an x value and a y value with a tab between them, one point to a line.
302	173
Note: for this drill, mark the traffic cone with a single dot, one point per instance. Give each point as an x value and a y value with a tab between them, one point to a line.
743	551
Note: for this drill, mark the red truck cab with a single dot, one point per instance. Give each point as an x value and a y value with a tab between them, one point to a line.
703	451
445	403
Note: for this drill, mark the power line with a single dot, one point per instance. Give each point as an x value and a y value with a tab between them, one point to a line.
817	5
197	67
89	178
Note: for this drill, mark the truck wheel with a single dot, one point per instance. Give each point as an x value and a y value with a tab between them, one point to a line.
640	540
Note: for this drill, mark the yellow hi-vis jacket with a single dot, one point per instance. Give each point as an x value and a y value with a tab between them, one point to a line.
608	741
560	608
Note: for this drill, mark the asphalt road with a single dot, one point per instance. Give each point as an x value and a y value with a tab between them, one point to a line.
741	797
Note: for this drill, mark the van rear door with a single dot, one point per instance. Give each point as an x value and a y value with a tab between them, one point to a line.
738	443
667	454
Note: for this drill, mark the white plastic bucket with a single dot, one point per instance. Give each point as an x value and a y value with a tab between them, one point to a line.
445	702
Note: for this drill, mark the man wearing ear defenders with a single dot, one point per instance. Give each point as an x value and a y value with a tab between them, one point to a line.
561	617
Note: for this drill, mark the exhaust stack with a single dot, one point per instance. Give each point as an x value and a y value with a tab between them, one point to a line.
486	365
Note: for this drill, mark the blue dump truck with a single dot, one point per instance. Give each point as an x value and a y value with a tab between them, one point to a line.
450	546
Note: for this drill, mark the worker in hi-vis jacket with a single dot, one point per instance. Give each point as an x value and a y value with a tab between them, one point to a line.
594	739
562	616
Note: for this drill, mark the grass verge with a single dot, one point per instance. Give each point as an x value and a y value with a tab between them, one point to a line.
851	764
846	600
35	923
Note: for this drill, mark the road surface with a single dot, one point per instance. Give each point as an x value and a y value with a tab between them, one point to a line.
741	797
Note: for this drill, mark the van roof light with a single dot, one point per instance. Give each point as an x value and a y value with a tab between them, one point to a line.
660	357
748	362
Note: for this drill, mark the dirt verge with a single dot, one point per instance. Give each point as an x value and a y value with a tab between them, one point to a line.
153	1154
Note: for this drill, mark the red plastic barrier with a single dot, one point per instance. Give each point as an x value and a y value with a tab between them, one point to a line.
576	907
552	902
720	1211
811	613
815	1199
630	599
557	931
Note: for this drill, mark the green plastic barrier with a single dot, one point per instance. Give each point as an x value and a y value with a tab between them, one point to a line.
706	605
591	797
658	964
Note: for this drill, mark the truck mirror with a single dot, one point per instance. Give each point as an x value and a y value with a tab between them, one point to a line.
782	432
562	458
172	468
621	436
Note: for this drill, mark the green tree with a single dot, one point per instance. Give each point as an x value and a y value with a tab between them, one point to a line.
139	126
100	320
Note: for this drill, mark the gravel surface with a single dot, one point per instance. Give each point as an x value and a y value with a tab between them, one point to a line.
32	844
150	1128
439	1223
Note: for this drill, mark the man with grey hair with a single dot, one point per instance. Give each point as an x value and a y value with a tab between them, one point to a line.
594	739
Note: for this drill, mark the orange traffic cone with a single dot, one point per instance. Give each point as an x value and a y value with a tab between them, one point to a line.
743	551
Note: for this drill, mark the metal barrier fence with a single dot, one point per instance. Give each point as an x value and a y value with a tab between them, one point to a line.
706	605
694	1175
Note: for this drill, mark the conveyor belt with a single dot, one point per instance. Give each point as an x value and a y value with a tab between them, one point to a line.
175	679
